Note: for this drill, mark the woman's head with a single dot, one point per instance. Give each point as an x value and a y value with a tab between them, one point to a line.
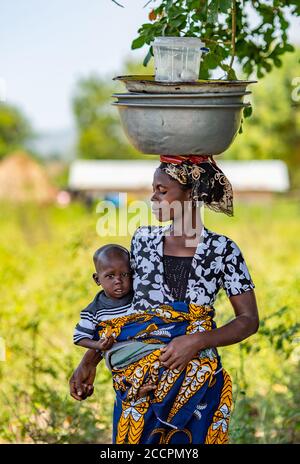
167	195
189	179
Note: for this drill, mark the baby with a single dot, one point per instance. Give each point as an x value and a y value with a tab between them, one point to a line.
113	273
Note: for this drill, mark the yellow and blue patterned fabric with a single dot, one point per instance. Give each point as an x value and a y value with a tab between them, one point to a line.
188	406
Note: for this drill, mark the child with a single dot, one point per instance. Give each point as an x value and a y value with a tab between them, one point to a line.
113	273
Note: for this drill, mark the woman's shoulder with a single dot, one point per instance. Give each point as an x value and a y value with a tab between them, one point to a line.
148	231
221	242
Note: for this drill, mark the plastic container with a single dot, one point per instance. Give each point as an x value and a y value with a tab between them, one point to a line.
177	59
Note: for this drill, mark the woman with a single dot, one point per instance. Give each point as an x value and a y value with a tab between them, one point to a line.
184	263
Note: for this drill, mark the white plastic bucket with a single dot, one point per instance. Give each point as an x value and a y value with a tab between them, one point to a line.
177	59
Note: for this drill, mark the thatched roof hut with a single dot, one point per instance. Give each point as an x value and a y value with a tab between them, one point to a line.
23	179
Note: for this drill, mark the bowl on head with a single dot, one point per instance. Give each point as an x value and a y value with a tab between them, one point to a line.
178	129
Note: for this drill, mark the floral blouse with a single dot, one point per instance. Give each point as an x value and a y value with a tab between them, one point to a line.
217	263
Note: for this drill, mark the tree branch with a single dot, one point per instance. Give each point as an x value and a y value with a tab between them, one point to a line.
122	6
233	31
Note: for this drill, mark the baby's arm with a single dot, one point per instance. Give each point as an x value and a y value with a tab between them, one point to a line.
85	333
103	344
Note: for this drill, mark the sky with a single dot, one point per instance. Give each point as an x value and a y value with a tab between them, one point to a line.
47	46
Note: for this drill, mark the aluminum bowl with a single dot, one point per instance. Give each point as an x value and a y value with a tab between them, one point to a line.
180	129
148	84
182	99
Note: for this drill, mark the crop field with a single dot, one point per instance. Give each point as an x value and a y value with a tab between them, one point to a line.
46	269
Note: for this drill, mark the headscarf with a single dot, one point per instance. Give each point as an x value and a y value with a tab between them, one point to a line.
207	181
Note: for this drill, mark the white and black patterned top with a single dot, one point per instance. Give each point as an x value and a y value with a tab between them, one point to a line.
217	263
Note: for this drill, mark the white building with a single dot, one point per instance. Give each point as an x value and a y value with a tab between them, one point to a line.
259	178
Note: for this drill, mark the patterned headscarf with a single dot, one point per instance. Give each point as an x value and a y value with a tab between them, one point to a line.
207	181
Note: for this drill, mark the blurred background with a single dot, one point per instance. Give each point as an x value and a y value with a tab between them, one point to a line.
62	149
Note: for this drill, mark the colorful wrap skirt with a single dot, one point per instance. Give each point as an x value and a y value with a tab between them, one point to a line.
191	406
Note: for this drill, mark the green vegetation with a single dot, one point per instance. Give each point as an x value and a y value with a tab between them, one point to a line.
248	34
273	131
15	129
100	135
46	270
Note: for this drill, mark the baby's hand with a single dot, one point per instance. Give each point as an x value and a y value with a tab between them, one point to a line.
105	344
146	388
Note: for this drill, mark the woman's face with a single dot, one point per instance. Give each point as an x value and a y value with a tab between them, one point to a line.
168	197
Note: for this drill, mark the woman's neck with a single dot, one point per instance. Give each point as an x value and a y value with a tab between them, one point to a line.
188	226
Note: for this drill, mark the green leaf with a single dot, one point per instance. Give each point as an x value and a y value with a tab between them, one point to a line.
224	6
289	48
212	61
147	57
231	75
175	12
260	74
212	11
277	62
138	42
283	22
247	112
230	72
178	22
168	5
267	66
248	68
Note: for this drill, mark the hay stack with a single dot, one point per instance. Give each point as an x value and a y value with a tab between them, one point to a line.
22	179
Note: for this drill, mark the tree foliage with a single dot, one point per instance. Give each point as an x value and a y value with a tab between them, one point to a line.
100	135
251	34
273	131
15	129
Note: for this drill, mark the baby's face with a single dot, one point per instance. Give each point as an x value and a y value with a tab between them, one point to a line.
115	277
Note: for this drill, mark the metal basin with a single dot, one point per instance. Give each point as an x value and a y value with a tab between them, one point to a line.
180	129
182	99
148	84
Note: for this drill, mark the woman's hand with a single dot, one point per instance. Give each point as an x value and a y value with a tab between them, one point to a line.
179	352
82	380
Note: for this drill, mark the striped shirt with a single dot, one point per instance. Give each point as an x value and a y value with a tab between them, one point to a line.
102	308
